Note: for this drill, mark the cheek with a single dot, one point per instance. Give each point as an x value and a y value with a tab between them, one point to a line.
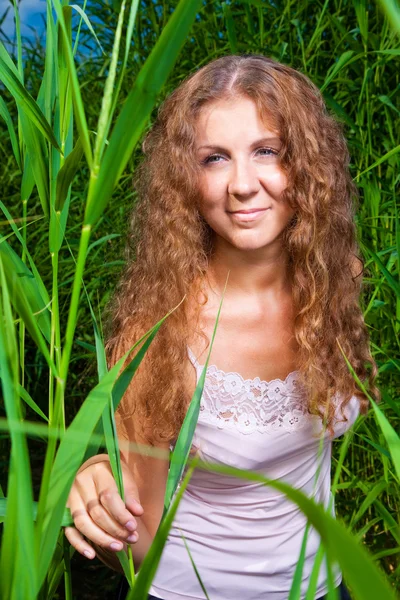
275	181
211	189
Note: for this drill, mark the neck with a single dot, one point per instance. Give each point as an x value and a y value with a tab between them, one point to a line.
253	273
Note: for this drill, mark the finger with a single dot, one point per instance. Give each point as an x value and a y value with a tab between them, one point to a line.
95	534
116	507
79	543
85	525
102	518
91	501
133	505
131	492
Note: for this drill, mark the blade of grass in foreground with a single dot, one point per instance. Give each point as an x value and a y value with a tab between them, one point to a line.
24	294
139	103
38	280
313	580
359	569
31	403
392	10
295	589
71	452
79	112
117	393
17	561
106	105
182	447
26	103
111	438
152	559
66	520
24	285
67	462
195	568
66	175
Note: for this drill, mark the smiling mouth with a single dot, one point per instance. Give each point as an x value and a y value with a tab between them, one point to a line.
248	215
249	211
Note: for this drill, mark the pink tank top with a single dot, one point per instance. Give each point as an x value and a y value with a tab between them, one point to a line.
244	537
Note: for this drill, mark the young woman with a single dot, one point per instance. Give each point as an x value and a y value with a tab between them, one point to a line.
245	173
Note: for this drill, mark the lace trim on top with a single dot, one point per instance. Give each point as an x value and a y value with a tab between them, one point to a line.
231	402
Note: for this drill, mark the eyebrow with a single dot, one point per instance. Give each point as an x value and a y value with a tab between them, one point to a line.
261	142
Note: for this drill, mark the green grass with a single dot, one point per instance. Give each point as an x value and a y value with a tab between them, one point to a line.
68	147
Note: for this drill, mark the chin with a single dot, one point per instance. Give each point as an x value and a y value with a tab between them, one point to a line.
249	247
254	244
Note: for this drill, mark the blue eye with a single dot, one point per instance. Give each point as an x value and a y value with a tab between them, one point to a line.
210	158
269	151
216	158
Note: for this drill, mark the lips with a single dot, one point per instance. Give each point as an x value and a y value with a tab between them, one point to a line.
248	212
250	215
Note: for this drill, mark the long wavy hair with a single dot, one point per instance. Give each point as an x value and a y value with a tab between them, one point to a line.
170	244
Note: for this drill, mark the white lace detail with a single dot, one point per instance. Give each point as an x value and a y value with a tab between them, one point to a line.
231	402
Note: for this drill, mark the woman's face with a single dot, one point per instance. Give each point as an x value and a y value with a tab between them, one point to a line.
240	171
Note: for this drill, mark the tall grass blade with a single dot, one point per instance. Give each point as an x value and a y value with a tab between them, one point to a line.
79	113
198	576
392	282
107	103
352	557
337	67
381	160
68	460
128	41
152	558
124	379
66	174
38	280
38	160
110	431
126	376
313	580
28	180
17	561
391	437
27	299
295	589
392	10
139	103
88	24
67	569
31	403
72	449
372	495
25	101
183	443
11	131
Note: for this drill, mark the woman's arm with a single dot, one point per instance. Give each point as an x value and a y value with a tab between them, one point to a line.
102	516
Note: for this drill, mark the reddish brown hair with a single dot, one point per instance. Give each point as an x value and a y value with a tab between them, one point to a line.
172	243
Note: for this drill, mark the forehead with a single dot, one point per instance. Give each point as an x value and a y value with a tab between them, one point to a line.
236	118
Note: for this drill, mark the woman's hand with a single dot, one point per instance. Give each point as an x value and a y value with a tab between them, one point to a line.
98	511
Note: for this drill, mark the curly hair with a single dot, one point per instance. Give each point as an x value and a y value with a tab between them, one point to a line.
171	244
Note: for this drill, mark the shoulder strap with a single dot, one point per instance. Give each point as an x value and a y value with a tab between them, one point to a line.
192	358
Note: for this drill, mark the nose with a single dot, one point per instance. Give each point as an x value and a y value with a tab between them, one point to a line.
243	180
